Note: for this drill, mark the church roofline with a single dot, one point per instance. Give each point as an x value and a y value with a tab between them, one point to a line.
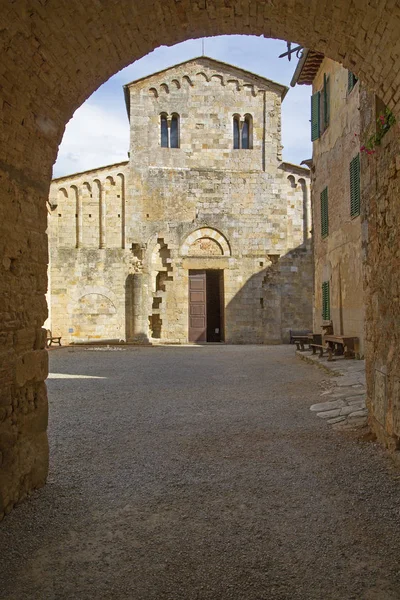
78	173
287	166
282	88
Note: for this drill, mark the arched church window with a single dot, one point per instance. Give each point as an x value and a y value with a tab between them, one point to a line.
236	132
174	133
164	131
247	133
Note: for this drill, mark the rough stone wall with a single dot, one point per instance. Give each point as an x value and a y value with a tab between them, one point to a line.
206	94
381	225
257	203
338	255
89	263
53	57
120	258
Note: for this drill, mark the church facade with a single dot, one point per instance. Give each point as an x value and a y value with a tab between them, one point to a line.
203	235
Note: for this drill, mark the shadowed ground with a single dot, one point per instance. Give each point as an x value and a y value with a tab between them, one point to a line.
187	473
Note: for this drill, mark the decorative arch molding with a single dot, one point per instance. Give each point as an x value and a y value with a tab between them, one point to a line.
202	77
187	79
234	82
216	78
206	232
89	290
95	303
86	186
110	179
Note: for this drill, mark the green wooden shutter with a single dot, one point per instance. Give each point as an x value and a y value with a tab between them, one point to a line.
324	213
351	81
315	121
355	186
326	101
326	302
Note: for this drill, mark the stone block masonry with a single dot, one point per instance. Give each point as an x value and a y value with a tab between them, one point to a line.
124	238
381	222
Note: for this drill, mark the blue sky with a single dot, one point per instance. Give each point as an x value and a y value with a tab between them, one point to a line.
98	133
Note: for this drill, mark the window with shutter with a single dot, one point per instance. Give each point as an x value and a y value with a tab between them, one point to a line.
355	186
324	213
315	117
351	81
326	302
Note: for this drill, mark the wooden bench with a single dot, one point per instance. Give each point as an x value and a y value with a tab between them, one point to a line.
342	345
322	348
300	340
295	333
50	339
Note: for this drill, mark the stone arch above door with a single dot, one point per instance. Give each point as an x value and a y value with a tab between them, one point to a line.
205	242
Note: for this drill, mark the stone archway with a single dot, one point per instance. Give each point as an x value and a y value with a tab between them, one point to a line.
54	55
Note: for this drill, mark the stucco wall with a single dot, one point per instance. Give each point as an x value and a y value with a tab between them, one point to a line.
338	255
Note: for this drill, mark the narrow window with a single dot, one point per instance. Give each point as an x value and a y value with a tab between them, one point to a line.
236	133
315	116
326	301
247	133
324	213
164	131
351	81
174	133
355	186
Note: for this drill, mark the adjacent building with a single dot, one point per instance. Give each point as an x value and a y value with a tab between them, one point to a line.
202	235
337	229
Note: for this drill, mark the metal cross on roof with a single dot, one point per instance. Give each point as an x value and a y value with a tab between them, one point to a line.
297	49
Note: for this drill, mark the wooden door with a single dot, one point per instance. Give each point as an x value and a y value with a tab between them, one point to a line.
197	306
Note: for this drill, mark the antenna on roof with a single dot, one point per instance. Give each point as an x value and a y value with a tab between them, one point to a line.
202	47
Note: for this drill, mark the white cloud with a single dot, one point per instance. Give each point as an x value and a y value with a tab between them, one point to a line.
93	137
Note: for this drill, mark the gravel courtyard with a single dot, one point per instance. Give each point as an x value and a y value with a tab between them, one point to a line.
193	473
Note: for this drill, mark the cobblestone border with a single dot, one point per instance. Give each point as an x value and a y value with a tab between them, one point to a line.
344	404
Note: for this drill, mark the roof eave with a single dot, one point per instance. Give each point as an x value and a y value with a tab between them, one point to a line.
127	101
282	88
299	68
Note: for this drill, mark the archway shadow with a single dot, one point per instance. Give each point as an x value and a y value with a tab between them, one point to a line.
273	301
